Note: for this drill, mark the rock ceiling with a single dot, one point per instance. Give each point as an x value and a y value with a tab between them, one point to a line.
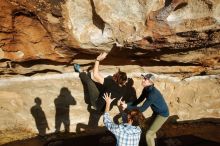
51	33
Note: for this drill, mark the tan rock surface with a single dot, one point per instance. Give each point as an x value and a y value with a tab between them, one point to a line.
62	31
40	40
189	99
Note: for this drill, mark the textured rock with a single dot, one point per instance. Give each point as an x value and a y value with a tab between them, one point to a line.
63	31
41	39
189	99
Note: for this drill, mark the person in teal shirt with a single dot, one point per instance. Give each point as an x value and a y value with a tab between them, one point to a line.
153	99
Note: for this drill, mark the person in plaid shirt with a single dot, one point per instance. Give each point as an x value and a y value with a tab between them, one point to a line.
127	134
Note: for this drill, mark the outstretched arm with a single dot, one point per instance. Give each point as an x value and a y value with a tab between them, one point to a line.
140	99
114	128
108	100
120	108
99	78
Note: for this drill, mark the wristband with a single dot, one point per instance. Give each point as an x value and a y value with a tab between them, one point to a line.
97	60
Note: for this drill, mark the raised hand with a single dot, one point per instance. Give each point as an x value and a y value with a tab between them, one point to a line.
123	105
102	56
107	98
119	102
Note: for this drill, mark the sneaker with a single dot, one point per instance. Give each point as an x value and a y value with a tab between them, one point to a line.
76	67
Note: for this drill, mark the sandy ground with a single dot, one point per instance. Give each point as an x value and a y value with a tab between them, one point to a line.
205	131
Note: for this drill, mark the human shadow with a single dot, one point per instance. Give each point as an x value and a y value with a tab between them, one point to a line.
39	117
62	105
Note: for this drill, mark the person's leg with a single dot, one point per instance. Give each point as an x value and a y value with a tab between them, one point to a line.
151	133
67	126
41	130
57	124
91	86
94	118
66	122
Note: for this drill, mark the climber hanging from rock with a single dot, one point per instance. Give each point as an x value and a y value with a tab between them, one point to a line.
116	84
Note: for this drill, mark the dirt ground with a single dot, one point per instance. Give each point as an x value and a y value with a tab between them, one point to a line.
204	132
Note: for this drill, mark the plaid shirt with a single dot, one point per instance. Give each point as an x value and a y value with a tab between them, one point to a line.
126	135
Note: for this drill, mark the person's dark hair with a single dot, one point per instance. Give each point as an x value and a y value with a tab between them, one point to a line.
120	77
137	117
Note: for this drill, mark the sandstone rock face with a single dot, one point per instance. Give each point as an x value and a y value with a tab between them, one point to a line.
189	99
158	32
40	40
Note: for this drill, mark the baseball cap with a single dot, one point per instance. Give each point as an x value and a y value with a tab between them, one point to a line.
148	76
